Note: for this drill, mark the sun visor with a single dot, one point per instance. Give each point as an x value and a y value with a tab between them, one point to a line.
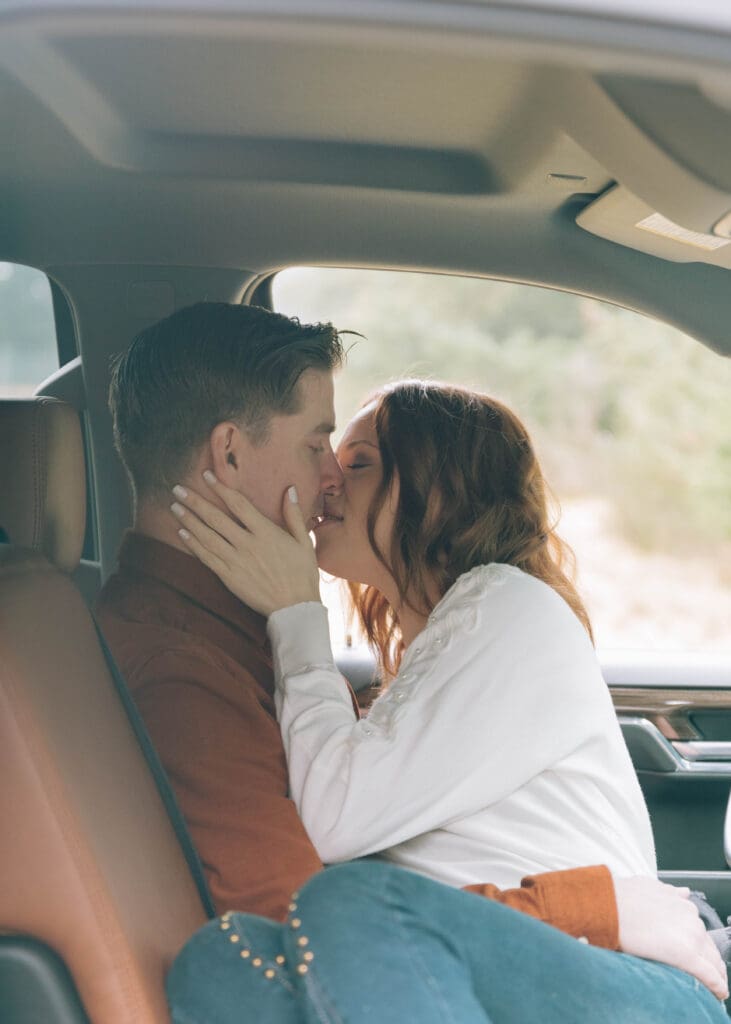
619	216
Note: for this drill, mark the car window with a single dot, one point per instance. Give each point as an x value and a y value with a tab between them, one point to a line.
28	347
630	417
29	352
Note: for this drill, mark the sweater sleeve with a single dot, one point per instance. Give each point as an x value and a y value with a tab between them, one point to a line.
580	902
441	744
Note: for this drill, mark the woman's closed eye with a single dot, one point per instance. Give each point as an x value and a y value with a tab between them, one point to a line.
356	459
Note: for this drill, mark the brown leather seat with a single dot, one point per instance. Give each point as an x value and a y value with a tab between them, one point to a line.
89	862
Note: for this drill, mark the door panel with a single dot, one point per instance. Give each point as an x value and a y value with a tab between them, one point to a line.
679	738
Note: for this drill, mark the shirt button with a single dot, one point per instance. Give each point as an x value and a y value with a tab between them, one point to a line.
438	639
400	695
367	730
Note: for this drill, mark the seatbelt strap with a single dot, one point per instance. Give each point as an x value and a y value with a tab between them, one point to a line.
161	780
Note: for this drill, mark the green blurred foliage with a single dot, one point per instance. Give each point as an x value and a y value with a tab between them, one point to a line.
620	406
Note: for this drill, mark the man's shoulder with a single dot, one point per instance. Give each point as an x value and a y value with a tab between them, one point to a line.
152	642
146	651
133	597
135	615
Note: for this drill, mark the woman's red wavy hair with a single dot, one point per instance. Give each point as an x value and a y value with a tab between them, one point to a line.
471	492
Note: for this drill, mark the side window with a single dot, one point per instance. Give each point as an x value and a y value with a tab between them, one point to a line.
631	420
36	338
28	346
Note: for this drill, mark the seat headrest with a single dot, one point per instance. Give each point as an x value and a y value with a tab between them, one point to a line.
43	490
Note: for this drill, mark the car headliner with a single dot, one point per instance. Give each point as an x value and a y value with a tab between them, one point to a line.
460	137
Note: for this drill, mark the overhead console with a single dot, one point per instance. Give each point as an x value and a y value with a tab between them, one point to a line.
619	216
670	155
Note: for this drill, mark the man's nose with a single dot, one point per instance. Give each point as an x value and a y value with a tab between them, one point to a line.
332	475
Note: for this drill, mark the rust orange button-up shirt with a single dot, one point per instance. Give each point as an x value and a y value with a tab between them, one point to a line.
199	668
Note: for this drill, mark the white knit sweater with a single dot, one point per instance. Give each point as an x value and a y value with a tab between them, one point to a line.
494	754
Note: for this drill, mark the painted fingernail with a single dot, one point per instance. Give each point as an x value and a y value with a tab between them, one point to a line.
180	492
209	477
177	510
184	534
292	492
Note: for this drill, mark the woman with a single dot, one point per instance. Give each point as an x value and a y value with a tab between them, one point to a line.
494	753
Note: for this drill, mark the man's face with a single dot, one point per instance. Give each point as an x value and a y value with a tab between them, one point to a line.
297	451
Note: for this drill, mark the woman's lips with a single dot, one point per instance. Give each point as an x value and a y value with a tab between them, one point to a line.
327	518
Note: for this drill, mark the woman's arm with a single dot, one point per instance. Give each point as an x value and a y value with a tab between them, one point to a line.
420	759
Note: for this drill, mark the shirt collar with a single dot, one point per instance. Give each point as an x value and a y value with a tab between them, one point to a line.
145	556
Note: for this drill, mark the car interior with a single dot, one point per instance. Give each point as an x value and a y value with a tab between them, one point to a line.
157	154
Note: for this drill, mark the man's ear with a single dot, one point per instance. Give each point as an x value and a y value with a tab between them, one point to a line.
228	452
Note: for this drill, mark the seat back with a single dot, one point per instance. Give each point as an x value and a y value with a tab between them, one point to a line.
90	864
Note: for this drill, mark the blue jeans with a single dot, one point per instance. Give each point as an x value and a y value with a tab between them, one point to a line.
369	942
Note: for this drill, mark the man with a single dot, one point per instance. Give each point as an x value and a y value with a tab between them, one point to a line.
248	394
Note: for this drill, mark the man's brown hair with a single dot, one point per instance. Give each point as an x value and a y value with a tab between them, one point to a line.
203	365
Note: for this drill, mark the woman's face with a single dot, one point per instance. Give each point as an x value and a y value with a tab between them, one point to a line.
341	538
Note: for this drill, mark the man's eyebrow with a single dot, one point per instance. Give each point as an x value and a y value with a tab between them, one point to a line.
352	444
